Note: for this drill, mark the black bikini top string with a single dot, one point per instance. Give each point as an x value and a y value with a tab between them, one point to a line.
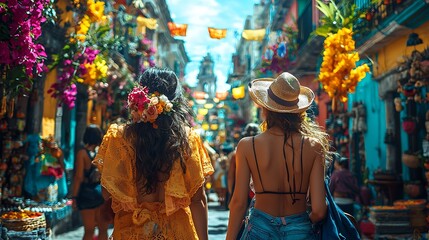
302	168
287	169
257	165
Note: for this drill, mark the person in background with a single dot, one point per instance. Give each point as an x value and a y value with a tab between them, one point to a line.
251	129
220	182
343	185
90	212
154	166
286	163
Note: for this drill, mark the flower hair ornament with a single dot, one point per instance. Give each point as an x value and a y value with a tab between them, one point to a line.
146	107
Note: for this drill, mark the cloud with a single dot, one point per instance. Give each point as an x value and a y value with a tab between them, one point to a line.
201	14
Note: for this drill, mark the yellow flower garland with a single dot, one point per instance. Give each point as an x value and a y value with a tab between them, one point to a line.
338	73
95	71
94	13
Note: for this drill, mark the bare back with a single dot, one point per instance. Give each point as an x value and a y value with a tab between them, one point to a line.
280	179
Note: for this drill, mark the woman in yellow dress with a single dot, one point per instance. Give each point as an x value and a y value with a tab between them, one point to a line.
154	167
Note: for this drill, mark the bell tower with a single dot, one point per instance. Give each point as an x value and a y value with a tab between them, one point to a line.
206	78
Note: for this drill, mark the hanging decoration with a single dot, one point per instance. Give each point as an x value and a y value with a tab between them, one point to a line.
338	73
239	92
143	23
254	35
217	33
177	29
415	72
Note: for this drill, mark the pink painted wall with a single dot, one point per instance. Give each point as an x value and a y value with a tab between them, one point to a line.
292	15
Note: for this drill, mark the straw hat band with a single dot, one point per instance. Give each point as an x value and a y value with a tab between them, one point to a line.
280	101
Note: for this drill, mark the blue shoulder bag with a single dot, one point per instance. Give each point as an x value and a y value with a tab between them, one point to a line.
336	225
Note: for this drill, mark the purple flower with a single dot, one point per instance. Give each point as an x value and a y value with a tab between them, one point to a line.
91	54
146	41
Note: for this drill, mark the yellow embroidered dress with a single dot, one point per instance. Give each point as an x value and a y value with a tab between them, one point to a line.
170	219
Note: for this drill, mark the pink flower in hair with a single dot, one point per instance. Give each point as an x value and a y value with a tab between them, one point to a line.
138	98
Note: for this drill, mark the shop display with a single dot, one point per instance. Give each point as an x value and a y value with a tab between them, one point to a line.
30	172
417	213
391	219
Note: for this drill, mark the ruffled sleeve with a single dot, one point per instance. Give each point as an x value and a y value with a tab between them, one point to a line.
115	160
180	187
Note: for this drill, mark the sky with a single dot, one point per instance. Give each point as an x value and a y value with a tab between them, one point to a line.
201	14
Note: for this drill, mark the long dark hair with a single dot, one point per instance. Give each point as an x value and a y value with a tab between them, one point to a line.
158	148
298	122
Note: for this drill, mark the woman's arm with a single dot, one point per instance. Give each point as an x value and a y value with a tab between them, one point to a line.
231	172
238	205
199	212
317	191
78	172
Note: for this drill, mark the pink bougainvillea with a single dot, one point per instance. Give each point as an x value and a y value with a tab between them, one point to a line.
21	56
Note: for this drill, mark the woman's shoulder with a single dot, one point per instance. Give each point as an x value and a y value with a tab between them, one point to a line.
313	142
115	130
244	144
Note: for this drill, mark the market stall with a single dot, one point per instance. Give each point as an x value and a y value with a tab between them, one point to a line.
32	179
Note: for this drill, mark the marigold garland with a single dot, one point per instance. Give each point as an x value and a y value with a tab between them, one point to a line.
338	73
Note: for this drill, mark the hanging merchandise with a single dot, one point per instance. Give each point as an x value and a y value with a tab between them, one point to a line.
177	29
358	113
254	35
217	33
50	160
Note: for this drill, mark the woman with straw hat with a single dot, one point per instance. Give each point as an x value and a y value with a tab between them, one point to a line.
286	163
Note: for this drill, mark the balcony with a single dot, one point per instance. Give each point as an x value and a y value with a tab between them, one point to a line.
388	20
309	45
305	25
282	7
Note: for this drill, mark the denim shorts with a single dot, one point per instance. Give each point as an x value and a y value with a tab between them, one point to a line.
261	225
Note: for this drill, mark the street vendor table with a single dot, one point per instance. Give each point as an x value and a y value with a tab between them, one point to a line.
390	190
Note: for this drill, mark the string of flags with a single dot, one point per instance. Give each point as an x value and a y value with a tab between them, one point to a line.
179	30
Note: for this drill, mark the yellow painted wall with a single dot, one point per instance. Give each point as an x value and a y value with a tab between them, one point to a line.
66	16
94	113
49	106
393	54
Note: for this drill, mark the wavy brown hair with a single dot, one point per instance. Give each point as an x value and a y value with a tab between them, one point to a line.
157	149
293	122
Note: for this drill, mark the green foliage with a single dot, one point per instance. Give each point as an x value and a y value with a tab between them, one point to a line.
344	15
17	80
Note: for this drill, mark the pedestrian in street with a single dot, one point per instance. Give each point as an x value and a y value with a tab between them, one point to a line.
154	166
87	196
251	129
286	163
343	185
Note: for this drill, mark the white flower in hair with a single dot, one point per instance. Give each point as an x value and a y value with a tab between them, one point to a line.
154	101
168	106
163	98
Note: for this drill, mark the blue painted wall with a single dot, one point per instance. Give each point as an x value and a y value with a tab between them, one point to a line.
375	149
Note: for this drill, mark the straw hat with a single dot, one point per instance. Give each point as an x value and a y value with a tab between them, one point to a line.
283	94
